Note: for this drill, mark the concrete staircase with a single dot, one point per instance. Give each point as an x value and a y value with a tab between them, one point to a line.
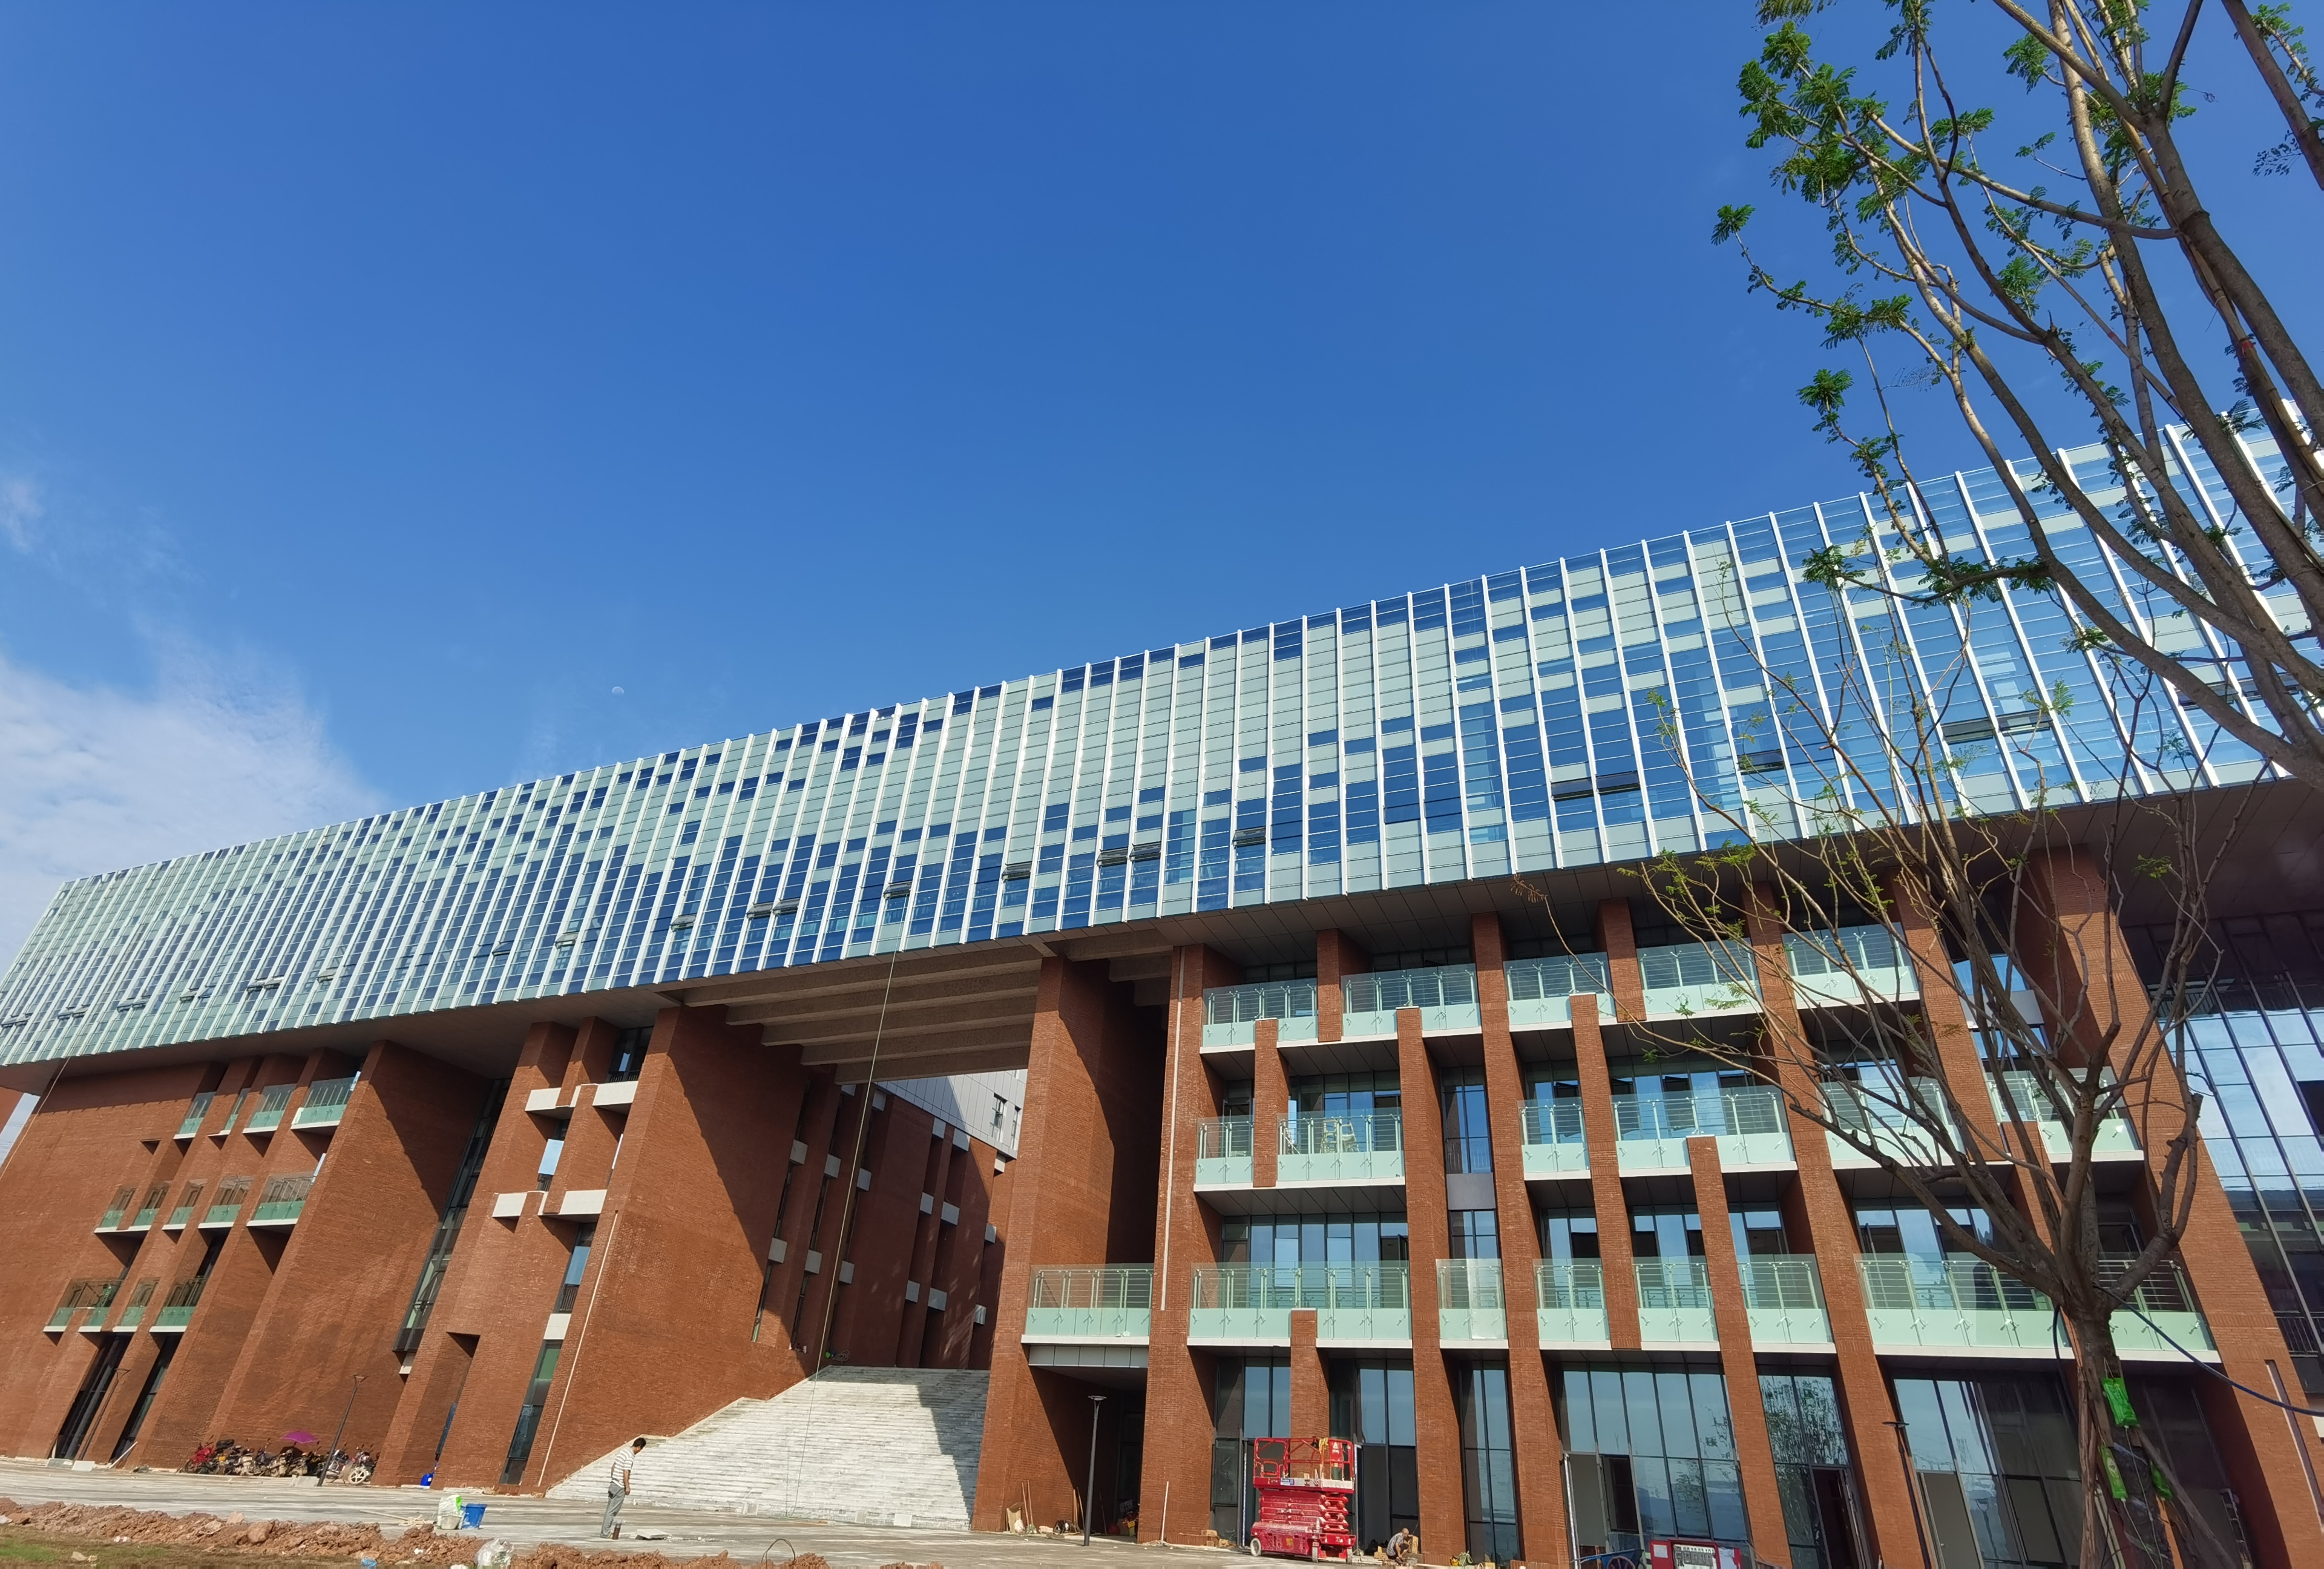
874	1447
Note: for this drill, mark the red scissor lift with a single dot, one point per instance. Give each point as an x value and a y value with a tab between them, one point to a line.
1307	1490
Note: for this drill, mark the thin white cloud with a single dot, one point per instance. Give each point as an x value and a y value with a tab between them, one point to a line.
92	779
20	509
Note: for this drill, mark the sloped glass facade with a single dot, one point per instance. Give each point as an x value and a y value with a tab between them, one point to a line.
1563	713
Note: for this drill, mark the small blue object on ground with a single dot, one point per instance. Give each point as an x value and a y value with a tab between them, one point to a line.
472	1516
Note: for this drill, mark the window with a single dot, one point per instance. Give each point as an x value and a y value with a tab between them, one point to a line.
1468	1131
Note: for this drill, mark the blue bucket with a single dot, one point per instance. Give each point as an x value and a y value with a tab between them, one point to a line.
472	1516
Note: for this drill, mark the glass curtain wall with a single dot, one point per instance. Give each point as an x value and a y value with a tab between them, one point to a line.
1371	1403
1651	1453
1253	1401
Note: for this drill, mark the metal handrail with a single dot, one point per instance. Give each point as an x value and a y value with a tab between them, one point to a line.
1107	1286
1445	986
1782	1281
283	1198
1469	1283
1754	1109
325	1099
268	1113
1673	1282
1855	948
2018	1094
2164	1290
1286	1285
195	1112
1340	1133
1221	1137
1552	1122
1663	969
1925	1282
1259	1000
80	1294
1570	1283
1559	975
1852	1106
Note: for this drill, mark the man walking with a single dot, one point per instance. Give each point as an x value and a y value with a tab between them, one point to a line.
617	1489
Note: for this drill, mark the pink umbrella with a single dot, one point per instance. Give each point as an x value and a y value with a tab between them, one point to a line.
300	1436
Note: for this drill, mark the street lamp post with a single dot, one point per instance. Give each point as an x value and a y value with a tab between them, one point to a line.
1089	1481
343	1419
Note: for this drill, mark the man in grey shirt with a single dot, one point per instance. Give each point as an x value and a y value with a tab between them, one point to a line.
617	1489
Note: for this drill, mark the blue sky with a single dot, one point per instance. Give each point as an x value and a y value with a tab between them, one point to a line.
382	386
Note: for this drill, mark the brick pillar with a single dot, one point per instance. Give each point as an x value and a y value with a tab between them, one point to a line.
1336	958
1534	1440
1174	1497
1621	950
2072	950
1082	1199
485	1332
359	1244
1443	1512
1755	1457
1941	1005
1606	1196
679	1243
1889	1509
1270	1097
1311	1389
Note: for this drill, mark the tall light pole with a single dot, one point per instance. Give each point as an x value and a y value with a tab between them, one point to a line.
343	1419
1089	1483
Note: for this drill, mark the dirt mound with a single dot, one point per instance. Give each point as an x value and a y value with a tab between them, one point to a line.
332	1539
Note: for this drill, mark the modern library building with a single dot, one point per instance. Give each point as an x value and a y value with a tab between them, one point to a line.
1315	960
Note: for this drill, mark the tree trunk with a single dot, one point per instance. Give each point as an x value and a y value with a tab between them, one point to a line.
2135	1514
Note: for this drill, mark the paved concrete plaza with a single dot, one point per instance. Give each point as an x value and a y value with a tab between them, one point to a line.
526	1522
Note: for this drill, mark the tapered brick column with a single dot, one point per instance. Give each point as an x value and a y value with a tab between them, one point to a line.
1337	957
1270	1097
1539	1452
1175	1489
1444	1514
1606	1197
1621	950
1311	1389
1092	1115
1755	1457
2072	947
1822	1209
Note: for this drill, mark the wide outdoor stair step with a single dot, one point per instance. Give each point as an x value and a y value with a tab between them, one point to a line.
872	1446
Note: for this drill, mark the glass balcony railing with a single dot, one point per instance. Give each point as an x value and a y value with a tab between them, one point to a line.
178	1308
272	1102
1554	1141
281	1200
226	1204
1685	979
1852	965
2018	1095
1570	1300
1782	1294
118	1210
1899	1122
1675	1301
1113	1303
326	1102
188	1202
1252	1304
1446	997
132	1311
89	1296
1470	1304
1340	1146
149	1207
1954	1303
1222	1151
1749	1123
1541	990
195	1112
1231	1014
